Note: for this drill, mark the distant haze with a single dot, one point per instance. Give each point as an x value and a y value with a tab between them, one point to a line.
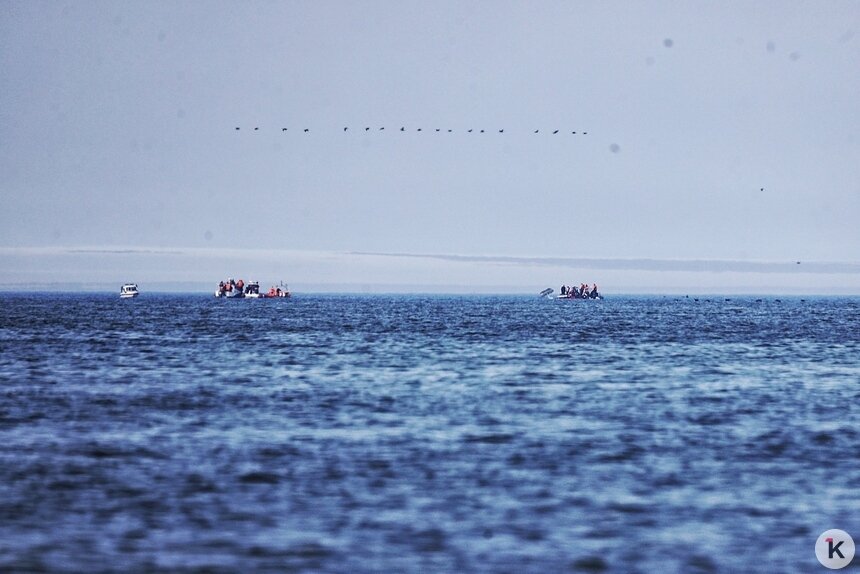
323	271
723	145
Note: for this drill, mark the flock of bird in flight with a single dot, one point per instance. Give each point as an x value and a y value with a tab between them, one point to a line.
403	129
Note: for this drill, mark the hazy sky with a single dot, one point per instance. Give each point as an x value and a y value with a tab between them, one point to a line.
117	130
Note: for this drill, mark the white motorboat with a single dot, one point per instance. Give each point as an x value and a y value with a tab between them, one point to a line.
128	291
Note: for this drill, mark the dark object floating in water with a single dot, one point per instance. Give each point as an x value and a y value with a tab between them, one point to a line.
367	129
307	130
438	130
419	129
798	262
283	129
256	129
573	133
470	131
555	132
344	129
585	133
501	131
237	129
536	131
482	131
403	129
382	128
449	131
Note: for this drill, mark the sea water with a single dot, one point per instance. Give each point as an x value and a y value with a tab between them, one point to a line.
426	433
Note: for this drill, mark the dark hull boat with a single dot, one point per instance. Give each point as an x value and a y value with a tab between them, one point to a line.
572	293
580	298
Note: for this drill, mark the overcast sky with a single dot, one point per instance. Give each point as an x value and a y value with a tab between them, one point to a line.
716	131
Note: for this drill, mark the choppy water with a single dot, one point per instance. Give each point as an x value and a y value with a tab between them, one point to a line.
445	434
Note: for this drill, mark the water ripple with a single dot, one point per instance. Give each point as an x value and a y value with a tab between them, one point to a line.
349	433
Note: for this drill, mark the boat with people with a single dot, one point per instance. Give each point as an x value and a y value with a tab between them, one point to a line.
233	289
573	292
128	291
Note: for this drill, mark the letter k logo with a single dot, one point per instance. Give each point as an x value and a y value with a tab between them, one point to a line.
834	549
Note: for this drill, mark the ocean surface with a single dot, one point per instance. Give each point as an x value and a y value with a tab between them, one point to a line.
182	433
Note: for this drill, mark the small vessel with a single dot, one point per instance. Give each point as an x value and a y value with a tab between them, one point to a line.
233	289
581	292
588	298
252	290
279	291
128	291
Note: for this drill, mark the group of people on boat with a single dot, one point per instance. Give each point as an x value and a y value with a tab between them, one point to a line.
233	288
581	292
